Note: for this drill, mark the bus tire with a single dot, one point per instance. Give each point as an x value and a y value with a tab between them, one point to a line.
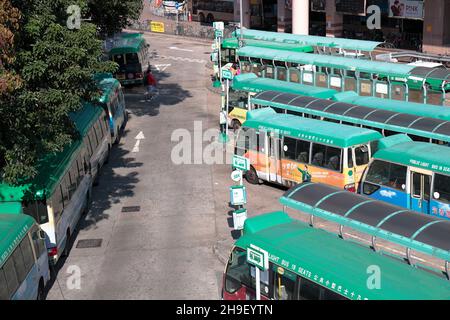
251	176
118	136
209	18
201	17
108	155
41	293
235	125
65	252
97	176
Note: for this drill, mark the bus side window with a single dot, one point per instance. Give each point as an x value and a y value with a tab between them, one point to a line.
57	203
11	277
284	285
19	265
441	188
36	209
309	290
362	155
4	295
39	244
27	253
349	158
264	280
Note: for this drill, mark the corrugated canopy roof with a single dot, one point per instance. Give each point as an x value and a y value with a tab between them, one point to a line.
408	228
251	82
342	43
378	67
395	121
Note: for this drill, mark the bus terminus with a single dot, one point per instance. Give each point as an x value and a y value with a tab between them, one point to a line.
312	264
61	190
413	175
287	149
130	52
113	101
24	268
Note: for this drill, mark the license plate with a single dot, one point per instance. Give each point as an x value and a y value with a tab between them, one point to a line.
121	76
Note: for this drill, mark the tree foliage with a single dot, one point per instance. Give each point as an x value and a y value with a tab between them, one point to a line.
56	65
113	16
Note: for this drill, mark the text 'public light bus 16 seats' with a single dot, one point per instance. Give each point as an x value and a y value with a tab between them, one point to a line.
130	52
24	268
113	101
413	175
367	78
311	264
280	145
60	192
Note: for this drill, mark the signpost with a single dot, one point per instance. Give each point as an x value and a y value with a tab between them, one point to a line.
260	259
238	193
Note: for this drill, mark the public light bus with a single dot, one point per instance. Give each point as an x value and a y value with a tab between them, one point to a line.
311	264
367	78
130	52
413	175
428	124
61	190
113	101
288	150
24	268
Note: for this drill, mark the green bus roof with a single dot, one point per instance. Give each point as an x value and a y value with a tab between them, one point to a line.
233	43
378	67
107	86
309	129
419	109
52	167
12	229
127	45
337	264
342	43
252	83
417	154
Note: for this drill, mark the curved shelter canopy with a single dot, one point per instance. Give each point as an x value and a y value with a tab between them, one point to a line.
340	43
252	83
419	109
408	228
429	127
376	67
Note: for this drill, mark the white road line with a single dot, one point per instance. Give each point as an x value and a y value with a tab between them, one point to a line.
180	49
182	59
138	138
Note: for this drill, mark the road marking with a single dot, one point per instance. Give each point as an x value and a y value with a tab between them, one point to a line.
182	59
138	138
180	49
162	67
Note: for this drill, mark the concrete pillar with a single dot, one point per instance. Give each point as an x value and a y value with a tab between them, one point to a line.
284	19
436	27
334	24
245	9
300	17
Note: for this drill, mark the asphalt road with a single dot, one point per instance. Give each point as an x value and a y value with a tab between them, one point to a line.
173	243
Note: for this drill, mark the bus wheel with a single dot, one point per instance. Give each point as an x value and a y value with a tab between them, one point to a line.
117	136
251	176
236	125
97	177
201	17
65	252
40	293
108	155
210	18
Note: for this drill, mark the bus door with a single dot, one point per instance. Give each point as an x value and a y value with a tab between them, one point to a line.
274	158
420	190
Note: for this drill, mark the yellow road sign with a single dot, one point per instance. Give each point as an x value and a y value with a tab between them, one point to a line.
156	26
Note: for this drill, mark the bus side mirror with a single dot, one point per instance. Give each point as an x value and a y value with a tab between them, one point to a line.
403	186
436	195
42	234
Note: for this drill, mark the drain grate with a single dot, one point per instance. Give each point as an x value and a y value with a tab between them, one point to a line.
89	243
131	209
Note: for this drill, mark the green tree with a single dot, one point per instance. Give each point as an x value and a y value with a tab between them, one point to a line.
113	16
56	65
